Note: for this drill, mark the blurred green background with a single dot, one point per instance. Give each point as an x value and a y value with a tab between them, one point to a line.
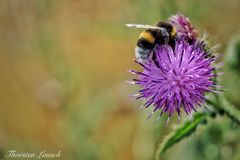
62	69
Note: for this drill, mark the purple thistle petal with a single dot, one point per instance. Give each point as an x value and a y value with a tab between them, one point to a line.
179	80
183	26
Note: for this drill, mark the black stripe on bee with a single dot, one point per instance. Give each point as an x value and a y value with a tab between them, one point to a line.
143	43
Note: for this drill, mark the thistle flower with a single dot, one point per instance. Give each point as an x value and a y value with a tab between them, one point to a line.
183	26
178	78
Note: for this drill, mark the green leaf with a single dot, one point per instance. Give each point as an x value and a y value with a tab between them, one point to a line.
181	132
230	110
233	54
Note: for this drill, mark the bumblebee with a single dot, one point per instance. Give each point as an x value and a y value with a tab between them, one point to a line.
162	33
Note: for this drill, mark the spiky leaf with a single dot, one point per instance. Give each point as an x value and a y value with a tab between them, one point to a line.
181	132
230	110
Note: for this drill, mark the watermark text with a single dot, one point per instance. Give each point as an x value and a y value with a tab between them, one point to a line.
41	155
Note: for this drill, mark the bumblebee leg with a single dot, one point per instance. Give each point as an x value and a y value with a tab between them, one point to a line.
165	36
154	58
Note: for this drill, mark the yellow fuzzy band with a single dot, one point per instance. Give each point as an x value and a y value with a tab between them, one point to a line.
148	36
174	32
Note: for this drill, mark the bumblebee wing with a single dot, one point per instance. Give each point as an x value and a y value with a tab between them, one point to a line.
144	26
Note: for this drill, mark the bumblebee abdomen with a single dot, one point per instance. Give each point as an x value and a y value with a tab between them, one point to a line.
147	36
146	40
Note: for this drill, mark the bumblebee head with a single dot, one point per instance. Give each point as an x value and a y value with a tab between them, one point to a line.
169	27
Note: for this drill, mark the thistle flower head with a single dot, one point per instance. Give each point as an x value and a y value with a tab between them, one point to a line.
177	78
183	26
